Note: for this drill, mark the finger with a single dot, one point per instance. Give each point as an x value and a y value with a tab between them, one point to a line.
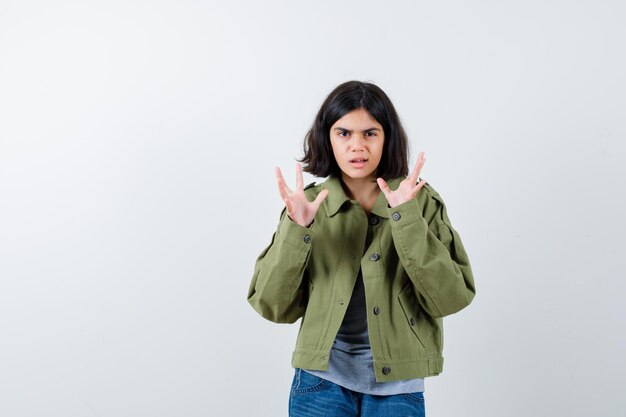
284	195
282	186
419	185
414	173
320	197
299	179
418	167
289	207
384	187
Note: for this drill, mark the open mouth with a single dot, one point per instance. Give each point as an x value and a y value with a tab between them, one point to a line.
358	162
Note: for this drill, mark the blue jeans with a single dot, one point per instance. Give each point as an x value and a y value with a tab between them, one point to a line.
312	396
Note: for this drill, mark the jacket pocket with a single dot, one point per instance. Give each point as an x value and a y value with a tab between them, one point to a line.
310	292
410	308
314	321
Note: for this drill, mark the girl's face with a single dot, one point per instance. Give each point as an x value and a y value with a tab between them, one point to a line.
357	141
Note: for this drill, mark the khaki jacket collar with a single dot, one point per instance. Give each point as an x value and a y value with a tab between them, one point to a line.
337	197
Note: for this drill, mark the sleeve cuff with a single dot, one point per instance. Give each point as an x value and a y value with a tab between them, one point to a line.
296	234
405	213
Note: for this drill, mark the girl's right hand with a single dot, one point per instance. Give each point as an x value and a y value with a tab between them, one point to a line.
299	209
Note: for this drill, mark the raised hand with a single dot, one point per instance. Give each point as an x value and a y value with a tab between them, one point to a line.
408	188
299	209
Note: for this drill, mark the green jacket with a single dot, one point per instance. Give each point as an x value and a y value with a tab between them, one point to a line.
415	272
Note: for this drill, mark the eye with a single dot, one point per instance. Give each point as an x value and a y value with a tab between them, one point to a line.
371	133
342	133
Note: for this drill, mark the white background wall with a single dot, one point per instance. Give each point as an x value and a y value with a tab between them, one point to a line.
137	147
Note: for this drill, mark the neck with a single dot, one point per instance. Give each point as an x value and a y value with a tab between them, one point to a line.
360	189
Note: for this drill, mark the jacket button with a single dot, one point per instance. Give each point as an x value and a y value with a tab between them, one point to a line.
412	321
377	310
386	370
396	216
375	257
307	238
374	220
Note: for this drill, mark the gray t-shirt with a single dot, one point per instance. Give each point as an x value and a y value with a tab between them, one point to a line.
351	361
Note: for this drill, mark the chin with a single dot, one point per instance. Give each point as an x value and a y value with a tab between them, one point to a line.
360	174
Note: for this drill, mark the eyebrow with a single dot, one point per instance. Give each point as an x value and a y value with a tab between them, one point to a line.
348	130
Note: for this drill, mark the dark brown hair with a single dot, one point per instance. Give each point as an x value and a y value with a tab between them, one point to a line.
352	95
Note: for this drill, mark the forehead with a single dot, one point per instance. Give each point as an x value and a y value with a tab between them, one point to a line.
359	118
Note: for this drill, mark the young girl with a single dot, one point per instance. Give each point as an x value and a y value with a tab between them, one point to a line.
368	259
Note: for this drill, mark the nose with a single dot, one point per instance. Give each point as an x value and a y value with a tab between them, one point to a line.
356	142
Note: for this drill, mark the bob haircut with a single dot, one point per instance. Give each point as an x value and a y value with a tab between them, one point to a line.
352	95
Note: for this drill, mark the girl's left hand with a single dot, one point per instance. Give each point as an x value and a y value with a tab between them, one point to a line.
408	188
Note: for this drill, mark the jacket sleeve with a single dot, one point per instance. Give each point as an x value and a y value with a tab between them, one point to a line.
432	254
278	290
